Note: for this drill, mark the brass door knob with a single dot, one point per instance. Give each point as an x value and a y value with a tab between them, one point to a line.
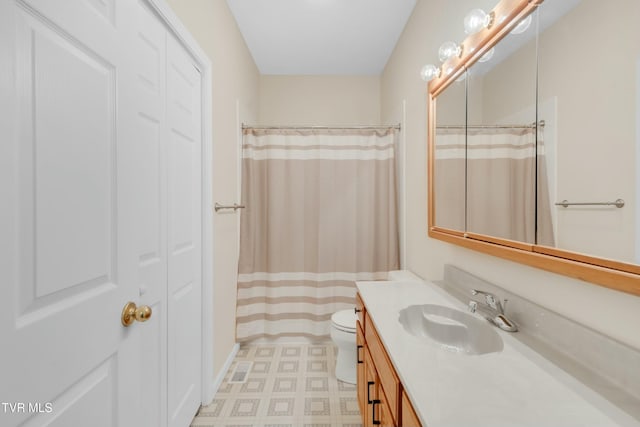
131	313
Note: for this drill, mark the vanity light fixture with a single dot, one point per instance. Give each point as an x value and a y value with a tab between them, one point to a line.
477	20
449	50
522	26
488	55
430	72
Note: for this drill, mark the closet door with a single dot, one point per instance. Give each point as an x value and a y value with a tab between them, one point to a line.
184	197
168	128
68	219
100	178
151	142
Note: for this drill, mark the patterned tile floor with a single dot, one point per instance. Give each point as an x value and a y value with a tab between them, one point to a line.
290	385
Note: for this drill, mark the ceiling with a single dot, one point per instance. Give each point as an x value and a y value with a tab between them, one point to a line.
317	37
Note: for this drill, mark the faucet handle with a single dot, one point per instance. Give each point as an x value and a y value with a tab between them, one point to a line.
473	306
479	292
491	299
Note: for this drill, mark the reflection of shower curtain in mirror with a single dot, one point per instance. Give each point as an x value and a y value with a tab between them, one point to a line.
320	213
501	185
544	233
449	173
501	182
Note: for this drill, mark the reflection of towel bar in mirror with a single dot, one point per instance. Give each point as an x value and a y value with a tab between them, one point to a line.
541	123
235	206
565	204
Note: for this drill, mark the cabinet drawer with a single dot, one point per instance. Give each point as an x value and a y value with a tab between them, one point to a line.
387	374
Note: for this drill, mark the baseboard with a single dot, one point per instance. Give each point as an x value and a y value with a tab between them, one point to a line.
217	382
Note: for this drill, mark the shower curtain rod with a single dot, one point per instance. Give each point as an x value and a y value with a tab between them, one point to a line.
321	127
541	123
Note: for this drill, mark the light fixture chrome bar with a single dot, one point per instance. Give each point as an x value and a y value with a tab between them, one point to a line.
235	207
619	203
541	123
321	127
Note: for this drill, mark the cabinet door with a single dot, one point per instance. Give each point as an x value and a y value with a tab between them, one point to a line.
388	378
376	407
360	374
370	389
409	417
382	412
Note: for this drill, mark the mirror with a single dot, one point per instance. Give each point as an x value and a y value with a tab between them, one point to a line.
568	94
450	158
589	80
501	139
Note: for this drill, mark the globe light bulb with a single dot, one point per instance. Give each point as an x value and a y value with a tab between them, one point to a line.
429	72
448	50
522	26
488	55
475	21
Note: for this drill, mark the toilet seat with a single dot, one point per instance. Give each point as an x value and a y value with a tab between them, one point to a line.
344	320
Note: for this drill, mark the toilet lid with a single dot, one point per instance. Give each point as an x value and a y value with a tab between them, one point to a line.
345	320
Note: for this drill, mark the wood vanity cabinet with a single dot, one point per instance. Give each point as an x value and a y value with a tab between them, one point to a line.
381	397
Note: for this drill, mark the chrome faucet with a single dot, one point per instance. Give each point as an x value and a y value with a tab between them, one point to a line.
493	310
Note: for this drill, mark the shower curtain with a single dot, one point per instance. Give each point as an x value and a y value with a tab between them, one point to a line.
449	178
501	181
320	214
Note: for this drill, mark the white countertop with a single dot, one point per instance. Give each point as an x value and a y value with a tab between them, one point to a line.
514	387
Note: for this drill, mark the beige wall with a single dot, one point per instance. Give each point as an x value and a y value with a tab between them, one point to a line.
596	140
319	100
235	95
433	22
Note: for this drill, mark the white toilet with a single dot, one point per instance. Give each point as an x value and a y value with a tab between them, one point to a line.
343	334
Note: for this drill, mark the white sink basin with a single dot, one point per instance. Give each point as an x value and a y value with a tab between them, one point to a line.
452	329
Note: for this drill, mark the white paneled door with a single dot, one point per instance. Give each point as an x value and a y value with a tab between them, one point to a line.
100	186
184	230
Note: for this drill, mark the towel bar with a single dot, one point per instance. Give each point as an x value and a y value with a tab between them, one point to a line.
618	203
235	207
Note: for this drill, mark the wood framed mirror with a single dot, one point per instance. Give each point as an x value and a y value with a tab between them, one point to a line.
460	213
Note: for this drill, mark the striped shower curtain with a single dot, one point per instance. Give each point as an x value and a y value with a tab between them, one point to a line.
320	214
499	195
501	182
